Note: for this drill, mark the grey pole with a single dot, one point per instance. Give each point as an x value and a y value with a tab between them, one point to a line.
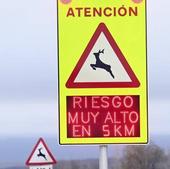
103	159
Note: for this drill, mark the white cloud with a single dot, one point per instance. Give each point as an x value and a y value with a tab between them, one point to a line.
28	62
29	118
159	117
158	48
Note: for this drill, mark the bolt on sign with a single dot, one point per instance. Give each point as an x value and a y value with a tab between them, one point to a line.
102	71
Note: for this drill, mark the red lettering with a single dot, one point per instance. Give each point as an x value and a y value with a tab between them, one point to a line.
107	11
117	131
76	130
79	11
103	116
129	131
133	117
70	12
125	113
117	103
108	118
87	12
72	119
106	131
128	101
81	131
105	103
95	102
77	102
116	121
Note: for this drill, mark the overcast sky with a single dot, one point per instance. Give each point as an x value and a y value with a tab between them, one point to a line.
28	67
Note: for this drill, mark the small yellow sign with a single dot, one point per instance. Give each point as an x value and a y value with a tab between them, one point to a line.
102	72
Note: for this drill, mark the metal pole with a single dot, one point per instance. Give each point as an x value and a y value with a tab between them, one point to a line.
103	160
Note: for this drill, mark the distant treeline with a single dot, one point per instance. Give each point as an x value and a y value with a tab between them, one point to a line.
134	157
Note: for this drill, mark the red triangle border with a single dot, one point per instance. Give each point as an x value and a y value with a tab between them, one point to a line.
28	163
134	81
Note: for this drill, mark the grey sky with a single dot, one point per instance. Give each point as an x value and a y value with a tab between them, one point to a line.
158	48
28	67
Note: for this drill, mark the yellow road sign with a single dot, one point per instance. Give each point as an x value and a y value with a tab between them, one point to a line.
102	71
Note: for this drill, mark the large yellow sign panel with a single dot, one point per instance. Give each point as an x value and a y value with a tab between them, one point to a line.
102	71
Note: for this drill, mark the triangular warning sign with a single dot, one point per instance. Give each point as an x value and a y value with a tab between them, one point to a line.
40	155
102	64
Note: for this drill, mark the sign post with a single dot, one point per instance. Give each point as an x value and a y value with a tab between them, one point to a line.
103	160
102	72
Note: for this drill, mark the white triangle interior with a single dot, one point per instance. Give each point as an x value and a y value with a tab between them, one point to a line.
87	74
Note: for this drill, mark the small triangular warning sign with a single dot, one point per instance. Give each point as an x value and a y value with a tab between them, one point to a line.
102	64
40	155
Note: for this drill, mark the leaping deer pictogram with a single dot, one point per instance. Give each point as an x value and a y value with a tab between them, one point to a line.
100	64
41	154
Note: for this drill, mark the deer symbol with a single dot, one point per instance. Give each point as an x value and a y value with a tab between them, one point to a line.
41	154
100	64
